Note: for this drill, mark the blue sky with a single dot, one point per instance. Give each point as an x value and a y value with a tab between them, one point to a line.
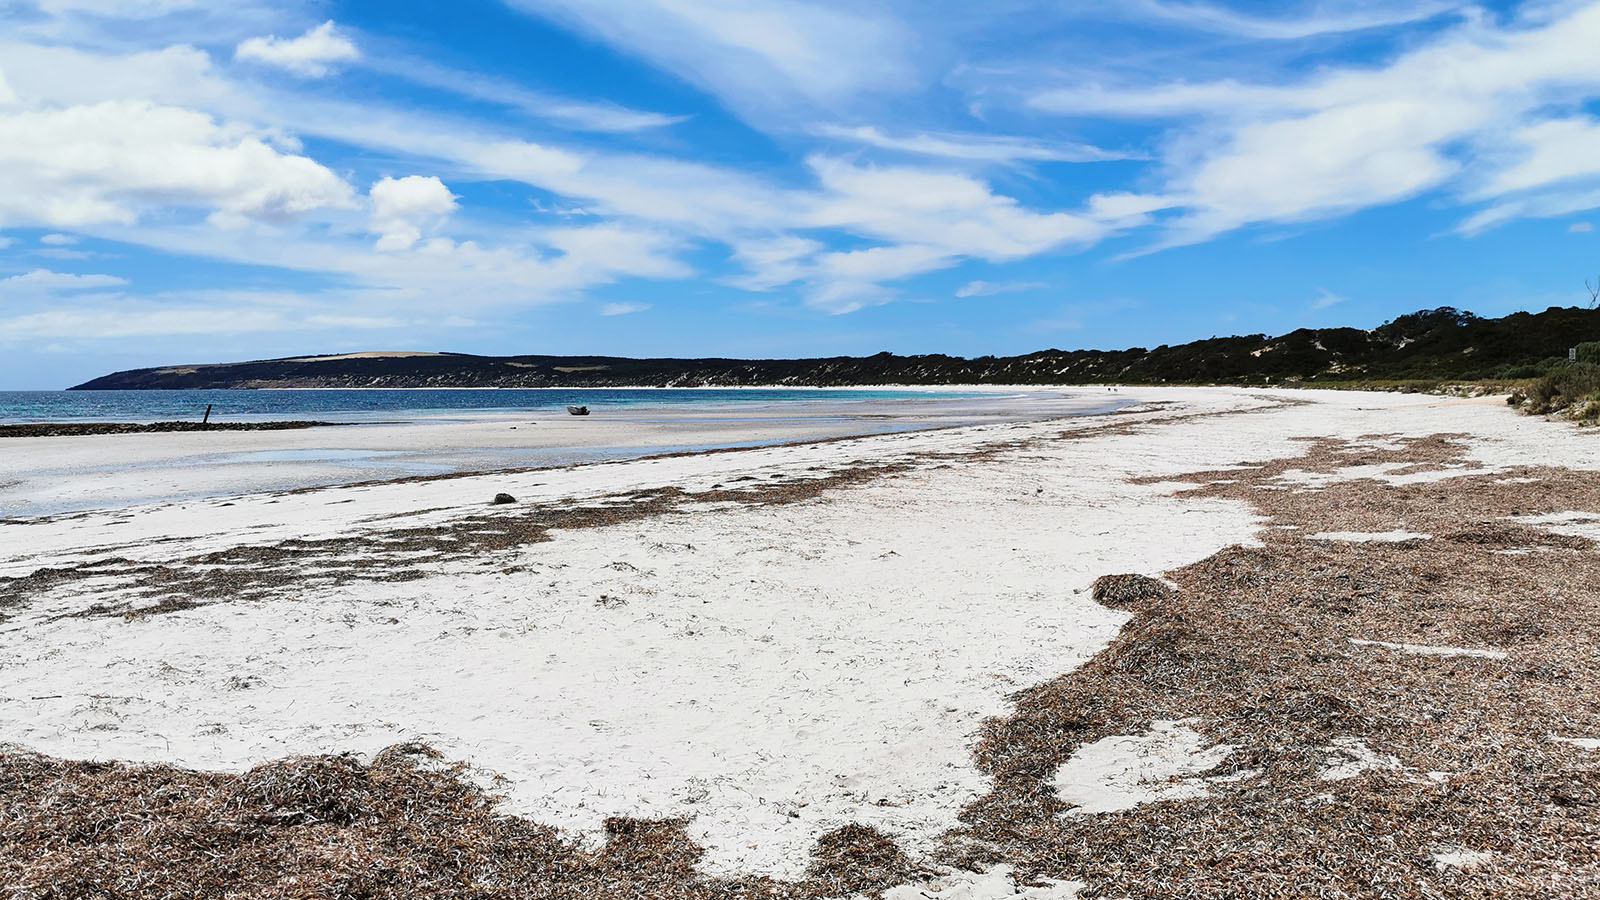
193	181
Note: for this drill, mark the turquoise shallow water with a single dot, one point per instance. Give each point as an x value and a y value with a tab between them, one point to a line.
391	405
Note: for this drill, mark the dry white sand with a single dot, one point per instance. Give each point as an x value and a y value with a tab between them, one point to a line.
770	672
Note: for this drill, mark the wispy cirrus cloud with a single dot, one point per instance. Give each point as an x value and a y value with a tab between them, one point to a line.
761	56
972	147
44	281
1476	110
580	115
1293	24
991	288
1325	298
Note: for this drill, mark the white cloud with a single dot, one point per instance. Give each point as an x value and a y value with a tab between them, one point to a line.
137	320
46	281
622	309
102	316
311	55
1219	98
771	262
670	199
58	240
845	281
576	114
64	253
989	288
1580	227
1470	110
957	214
323	320
1542	205
56	76
119	9
1325	298
760	56
1322	19
972	147
1552	150
924	219
112	161
402	208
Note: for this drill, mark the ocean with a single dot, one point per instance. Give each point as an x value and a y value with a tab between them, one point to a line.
395	405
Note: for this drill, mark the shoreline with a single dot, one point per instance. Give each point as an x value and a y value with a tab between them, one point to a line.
89	429
70	474
841	665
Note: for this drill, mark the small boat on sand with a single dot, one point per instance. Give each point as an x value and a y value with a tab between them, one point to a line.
578	410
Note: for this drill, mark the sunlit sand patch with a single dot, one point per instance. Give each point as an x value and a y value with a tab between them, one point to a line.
1575	523
1459	858
1396	536
1428	650
1124	771
998	883
1349	757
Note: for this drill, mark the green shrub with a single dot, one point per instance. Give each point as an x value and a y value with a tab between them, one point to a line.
1589	352
1569	387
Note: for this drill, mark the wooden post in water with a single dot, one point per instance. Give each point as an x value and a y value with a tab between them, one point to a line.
207	415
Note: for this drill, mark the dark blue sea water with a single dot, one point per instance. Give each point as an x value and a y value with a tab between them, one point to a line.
391	405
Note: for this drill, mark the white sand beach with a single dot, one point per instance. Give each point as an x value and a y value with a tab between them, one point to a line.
768	669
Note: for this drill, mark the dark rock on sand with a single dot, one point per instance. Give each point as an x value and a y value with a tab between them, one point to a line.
502	499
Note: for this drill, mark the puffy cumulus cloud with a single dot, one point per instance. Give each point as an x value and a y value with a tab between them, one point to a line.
311	55
402	208
51	75
109	162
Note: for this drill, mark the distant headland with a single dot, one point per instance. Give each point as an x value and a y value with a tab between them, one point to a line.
1443	344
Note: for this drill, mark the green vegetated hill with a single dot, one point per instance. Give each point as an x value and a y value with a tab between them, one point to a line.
1443	344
